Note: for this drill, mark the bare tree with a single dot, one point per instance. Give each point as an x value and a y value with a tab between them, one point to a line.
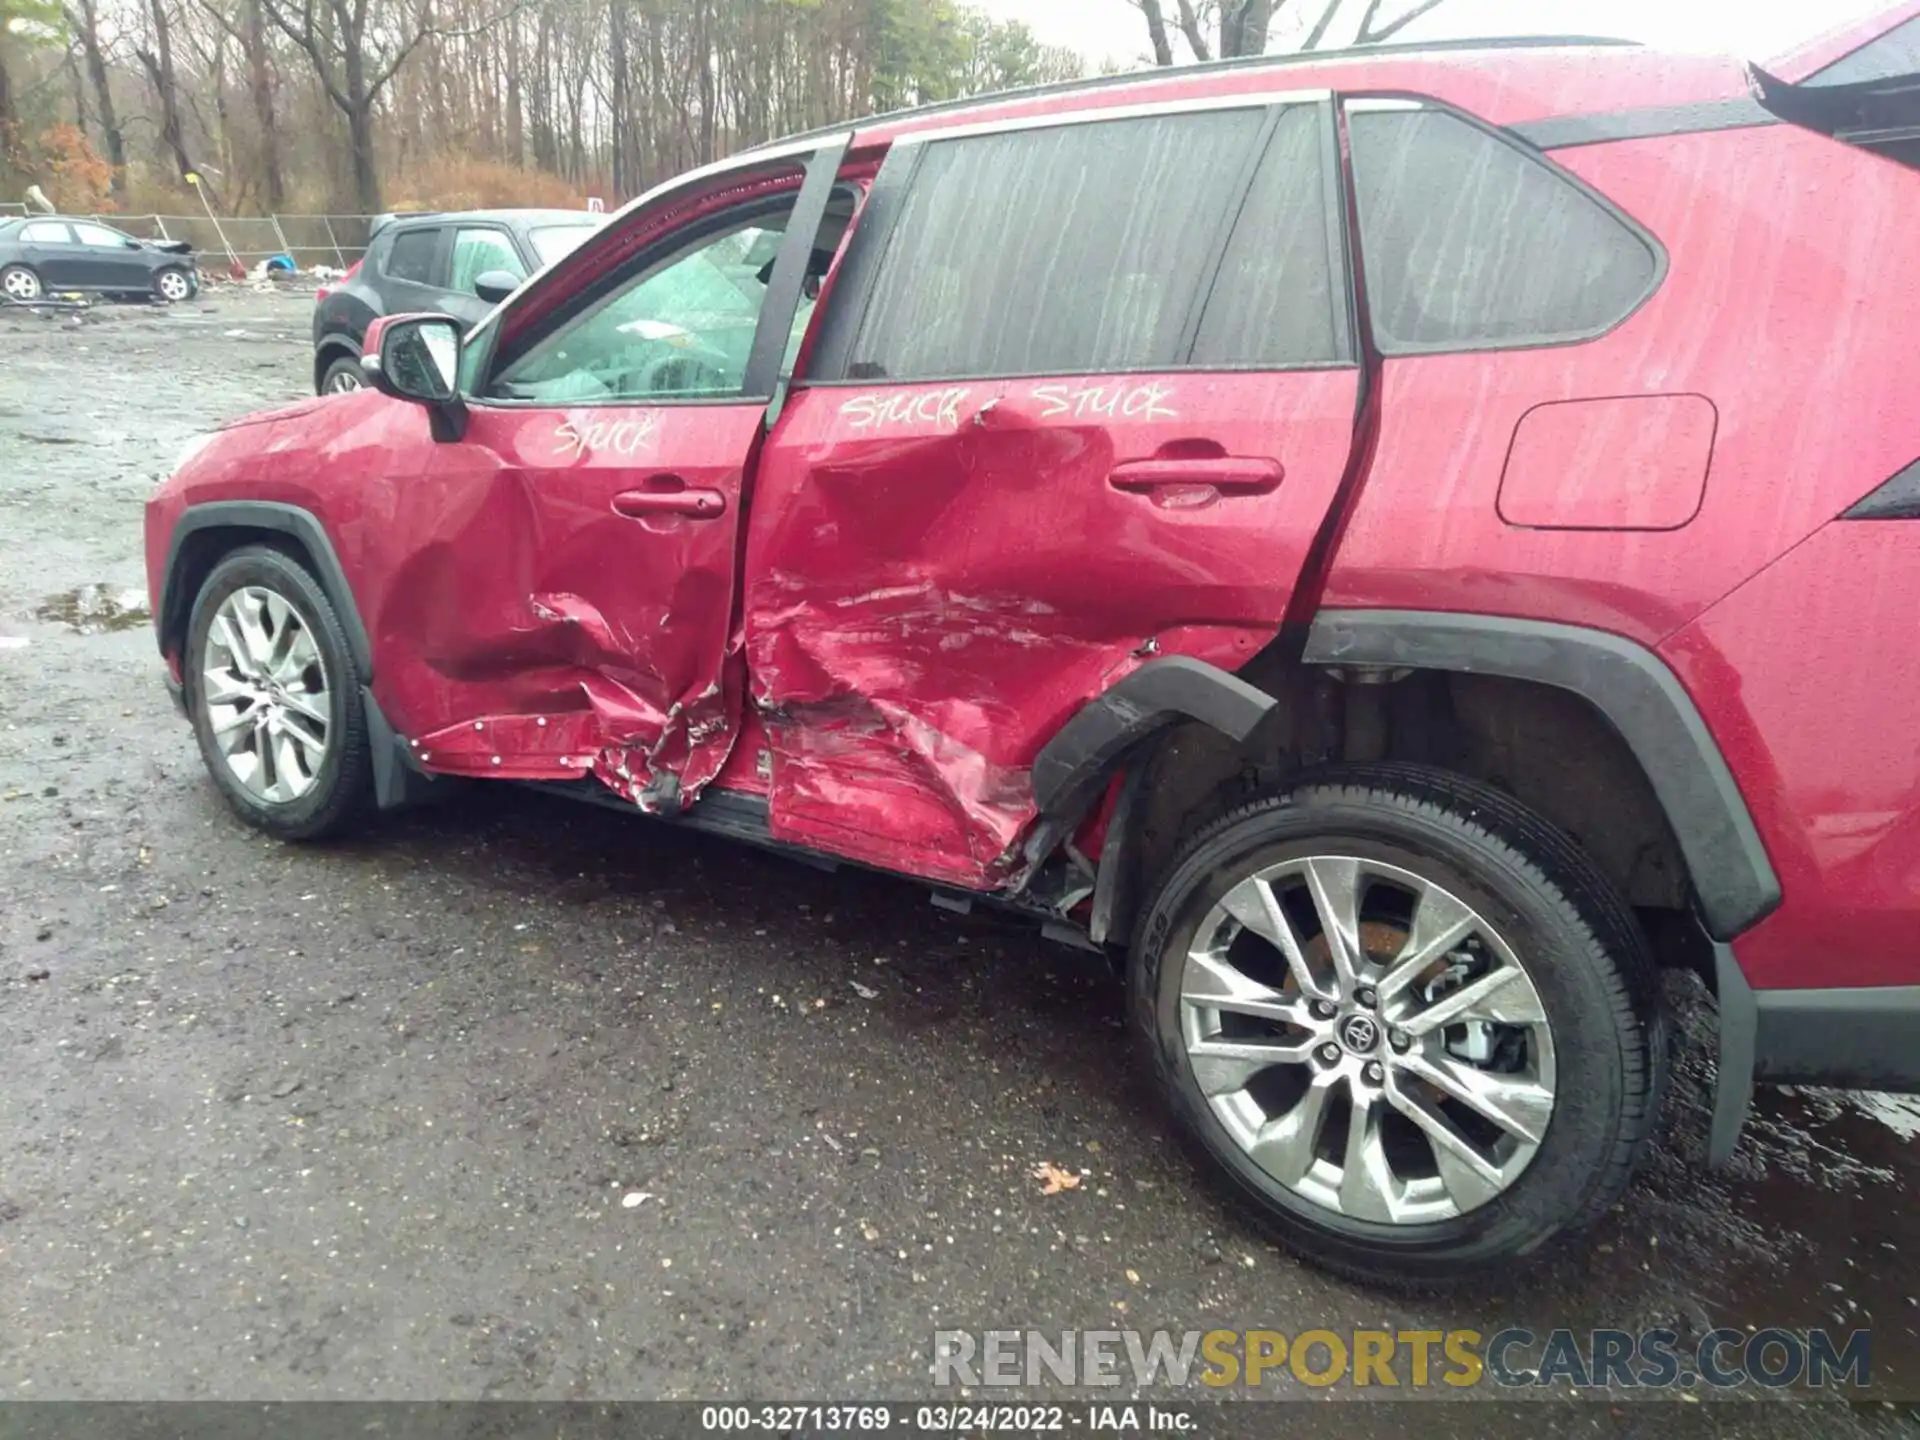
158	62
342	41
85	25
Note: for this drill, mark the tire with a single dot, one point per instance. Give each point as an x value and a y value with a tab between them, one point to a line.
21	283
1585	1028
342	376
314	781
173	284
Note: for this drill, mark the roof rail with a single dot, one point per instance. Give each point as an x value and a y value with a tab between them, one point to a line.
1206	67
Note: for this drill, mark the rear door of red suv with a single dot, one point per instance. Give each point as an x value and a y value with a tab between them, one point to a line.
1083	393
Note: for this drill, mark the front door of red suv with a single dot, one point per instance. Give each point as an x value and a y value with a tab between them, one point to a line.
561	577
1083	393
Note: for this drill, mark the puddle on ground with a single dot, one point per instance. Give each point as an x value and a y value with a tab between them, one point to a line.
91	609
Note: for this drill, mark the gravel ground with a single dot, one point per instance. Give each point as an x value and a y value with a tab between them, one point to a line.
517	1100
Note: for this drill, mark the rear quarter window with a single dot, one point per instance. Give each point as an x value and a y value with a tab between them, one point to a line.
1469	242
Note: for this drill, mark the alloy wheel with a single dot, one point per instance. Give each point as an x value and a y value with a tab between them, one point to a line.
265	686
343	381
174	285
1368	1039
20	284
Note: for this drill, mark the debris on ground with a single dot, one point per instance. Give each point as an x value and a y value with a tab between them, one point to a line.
1053	1179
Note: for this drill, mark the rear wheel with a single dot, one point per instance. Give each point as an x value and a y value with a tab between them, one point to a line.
21	283
1406	1016
275	697
173	284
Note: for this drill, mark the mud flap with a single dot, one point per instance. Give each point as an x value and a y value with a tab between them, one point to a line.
398	783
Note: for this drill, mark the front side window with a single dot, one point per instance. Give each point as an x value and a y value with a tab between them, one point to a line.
100	235
44	232
475	252
682	329
412	256
1470	243
1077	248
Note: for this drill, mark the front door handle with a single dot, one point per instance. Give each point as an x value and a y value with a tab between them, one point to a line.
671	497
1224	474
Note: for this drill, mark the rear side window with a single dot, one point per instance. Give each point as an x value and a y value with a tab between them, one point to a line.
1470	243
412	256
1071	249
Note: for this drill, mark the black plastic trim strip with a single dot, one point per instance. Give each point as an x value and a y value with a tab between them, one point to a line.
782	300
1858	1039
1896	498
1564	132
851	289
280	519
1733	880
1072	766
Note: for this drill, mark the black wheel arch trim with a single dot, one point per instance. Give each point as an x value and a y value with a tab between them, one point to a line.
1072	767
1733	880
280	519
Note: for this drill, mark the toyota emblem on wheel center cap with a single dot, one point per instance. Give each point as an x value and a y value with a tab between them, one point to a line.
1360	1033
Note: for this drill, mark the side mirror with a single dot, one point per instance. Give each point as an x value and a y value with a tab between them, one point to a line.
417	358
493	286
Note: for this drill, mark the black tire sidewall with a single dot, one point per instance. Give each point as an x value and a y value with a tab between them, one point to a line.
1562	958
344	362
39	294
272	570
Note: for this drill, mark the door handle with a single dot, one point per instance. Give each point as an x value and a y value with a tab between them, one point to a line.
1225	474
643	504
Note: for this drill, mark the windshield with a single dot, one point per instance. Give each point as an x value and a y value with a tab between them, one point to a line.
550	242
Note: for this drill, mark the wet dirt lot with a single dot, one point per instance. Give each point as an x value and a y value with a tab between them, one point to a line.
370	1120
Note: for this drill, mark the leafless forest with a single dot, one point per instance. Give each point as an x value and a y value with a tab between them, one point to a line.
364	105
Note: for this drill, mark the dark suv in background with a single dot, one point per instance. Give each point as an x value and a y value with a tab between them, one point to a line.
435	263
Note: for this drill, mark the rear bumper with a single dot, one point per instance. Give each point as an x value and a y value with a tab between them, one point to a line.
1861	1038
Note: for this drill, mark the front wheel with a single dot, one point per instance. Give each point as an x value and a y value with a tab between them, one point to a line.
343	377
1406	1016
20	283
173	285
275	697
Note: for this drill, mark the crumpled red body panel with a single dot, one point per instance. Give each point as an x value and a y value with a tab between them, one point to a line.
938	576
514	592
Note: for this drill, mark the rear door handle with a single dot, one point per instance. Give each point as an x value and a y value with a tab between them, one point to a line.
1227	474
643	504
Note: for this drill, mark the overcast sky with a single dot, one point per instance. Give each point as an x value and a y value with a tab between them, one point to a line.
1756	29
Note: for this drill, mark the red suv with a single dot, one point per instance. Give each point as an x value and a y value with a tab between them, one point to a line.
1402	544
